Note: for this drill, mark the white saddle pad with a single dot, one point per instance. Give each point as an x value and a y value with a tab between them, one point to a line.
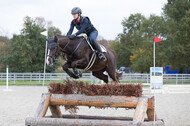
101	46
83	35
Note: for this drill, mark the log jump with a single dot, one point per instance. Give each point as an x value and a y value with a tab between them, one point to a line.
143	106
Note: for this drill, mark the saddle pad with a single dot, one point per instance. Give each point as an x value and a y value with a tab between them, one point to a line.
82	35
85	36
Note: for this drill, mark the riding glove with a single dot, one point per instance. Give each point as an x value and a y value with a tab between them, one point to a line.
72	36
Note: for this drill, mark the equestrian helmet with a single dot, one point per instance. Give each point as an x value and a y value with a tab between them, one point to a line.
76	10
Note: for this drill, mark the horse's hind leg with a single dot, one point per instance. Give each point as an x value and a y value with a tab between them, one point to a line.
100	75
112	73
111	69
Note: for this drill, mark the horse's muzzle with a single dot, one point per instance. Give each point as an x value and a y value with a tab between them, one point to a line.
50	61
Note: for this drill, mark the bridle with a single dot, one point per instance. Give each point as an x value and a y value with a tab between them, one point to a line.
55	55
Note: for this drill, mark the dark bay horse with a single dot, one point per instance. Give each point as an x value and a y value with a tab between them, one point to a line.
79	55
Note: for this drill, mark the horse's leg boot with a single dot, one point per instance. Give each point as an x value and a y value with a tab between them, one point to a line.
77	72
100	53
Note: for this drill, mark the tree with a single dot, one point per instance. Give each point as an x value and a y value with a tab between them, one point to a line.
129	40
177	13
3	51
26	52
135	45
27	49
176	9
141	60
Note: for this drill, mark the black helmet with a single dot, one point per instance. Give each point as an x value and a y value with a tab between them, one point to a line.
76	10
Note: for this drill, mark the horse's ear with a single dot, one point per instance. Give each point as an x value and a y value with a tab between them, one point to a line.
55	39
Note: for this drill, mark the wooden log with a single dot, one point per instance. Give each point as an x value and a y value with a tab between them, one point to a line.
140	111
55	110
150	115
150	110
98	101
43	105
96	117
37	121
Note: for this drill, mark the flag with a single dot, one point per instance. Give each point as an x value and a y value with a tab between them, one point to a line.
156	39
45	33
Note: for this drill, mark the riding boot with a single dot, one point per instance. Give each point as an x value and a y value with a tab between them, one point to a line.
100	53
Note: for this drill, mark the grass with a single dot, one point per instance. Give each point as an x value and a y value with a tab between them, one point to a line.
26	82
40	83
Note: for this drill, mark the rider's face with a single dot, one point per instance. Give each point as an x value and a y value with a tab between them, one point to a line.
75	16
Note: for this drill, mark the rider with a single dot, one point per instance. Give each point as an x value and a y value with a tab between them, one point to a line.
83	25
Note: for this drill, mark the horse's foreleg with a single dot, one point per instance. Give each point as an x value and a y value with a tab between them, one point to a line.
65	68
77	63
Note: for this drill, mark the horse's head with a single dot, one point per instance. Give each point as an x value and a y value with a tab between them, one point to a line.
53	50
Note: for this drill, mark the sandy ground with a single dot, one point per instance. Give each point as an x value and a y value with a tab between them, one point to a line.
22	102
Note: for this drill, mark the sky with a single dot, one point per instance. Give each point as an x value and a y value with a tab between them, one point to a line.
105	15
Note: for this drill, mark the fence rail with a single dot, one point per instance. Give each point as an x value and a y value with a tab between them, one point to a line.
177	79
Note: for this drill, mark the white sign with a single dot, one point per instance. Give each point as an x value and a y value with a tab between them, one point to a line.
156	77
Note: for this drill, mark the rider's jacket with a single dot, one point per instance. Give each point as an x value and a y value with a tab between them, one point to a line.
83	26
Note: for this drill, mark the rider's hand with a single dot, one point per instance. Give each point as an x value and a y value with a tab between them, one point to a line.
72	36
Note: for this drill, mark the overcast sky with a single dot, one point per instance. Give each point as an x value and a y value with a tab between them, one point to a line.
105	15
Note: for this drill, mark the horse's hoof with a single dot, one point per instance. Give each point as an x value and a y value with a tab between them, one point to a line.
75	77
80	74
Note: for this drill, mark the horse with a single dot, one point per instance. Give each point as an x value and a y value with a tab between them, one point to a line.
80	55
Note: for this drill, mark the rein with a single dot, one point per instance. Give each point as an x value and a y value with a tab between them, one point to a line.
64	49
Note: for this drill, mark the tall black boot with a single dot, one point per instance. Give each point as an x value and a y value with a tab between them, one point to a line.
100	53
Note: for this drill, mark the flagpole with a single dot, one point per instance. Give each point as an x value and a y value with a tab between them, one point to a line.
154	88
156	39
45	65
45	33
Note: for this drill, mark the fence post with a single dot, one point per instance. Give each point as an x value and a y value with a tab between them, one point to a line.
39	78
182	79
30	77
50	77
176	78
14	78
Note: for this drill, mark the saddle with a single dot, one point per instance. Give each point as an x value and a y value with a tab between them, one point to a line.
90	43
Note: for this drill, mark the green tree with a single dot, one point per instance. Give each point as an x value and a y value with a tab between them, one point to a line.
176	9
129	40
4	47
27	49
26	52
177	13
138	34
